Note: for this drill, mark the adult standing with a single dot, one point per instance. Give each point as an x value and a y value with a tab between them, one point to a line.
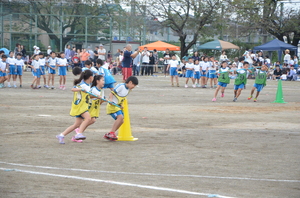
17	49
155	55
96	55
167	58
287	56
84	56
145	61
49	50
101	52
136	64
23	51
151	64
91	52
127	60
196	56
223	57
68	53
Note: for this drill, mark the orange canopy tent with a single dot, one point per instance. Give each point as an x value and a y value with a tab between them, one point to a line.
160	46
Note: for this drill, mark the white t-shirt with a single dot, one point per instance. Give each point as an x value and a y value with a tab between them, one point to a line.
11	61
287	58
145	57
240	65
291	62
85	86
19	62
62	61
98	92
52	61
224	69
102	57
121	90
283	76
3	65
42	61
93	69
212	66
49	51
173	63
36	64
189	66
197	67
204	65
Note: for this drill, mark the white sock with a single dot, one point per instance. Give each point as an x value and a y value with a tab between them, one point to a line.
14	82
8	83
62	135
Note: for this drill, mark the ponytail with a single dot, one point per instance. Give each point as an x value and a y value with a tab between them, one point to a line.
84	76
98	77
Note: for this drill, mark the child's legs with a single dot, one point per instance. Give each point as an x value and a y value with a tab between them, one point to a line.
211	81
257	94
252	90
8	78
44	79
71	128
217	90
20	78
86	122
52	79
187	80
34	80
60	79
1	79
172	78
64	80
118	122
238	93
215	81
38	81
14	77
176	78
49	77
223	89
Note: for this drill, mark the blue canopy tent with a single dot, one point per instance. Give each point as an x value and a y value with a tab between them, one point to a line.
276	45
6	51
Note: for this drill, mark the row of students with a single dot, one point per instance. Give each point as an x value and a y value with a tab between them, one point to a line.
86	107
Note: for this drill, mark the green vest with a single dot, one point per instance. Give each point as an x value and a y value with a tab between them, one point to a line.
241	78
261	78
224	77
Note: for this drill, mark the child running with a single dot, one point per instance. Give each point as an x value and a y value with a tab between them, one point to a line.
223	80
62	63
94	110
35	65
197	74
11	61
88	66
109	80
42	61
260	81
118	95
173	67
189	72
51	63
19	64
3	68
80	106
241	80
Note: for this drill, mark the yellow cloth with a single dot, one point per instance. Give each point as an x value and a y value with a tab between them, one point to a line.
95	108
112	108
80	103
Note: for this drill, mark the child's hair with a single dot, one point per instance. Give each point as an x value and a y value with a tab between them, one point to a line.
4	56
133	79
41	53
99	62
88	62
84	76
241	59
223	62
245	63
61	53
1	52
98	77
35	55
19	54
76	71
52	52
190	58
11	52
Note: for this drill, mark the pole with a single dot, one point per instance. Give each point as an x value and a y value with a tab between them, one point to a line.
61	28
10	22
2	30
144	28
36	29
168	30
110	35
86	29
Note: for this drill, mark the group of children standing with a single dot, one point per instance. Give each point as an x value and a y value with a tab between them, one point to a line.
219	77
89	95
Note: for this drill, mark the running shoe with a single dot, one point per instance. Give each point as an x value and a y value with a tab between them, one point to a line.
222	95
8	85
32	86
60	139
249	98
63	87
186	86
177	84
76	130
194	86
214	100
235	99
110	136
20	86
15	86
74	140
255	99
79	136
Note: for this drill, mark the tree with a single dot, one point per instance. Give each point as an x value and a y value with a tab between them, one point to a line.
184	17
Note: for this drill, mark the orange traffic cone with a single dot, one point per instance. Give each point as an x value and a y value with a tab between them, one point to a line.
125	129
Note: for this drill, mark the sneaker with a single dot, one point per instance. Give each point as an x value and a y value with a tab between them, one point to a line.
32	86
215	86
20	86
74	140
60	87
235	99
222	95
249	98
211	87
1	85
203	86
214	100
110	136
79	136
186	86
15	86
194	86
9	86
76	130
198	85
172	85
60	139
255	99
63	87
45	86
177	84
52	87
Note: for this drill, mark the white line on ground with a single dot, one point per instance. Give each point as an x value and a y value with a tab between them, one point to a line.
153	174
117	183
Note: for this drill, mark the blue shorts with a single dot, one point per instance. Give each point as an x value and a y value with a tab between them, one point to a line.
197	75
80	116
62	71
51	71
258	87
36	73
241	86
212	75
12	70
203	73
42	70
207	74
115	115
19	70
2	74
189	73
222	84
111	85
173	71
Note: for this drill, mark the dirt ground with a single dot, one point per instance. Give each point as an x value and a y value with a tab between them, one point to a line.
187	145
